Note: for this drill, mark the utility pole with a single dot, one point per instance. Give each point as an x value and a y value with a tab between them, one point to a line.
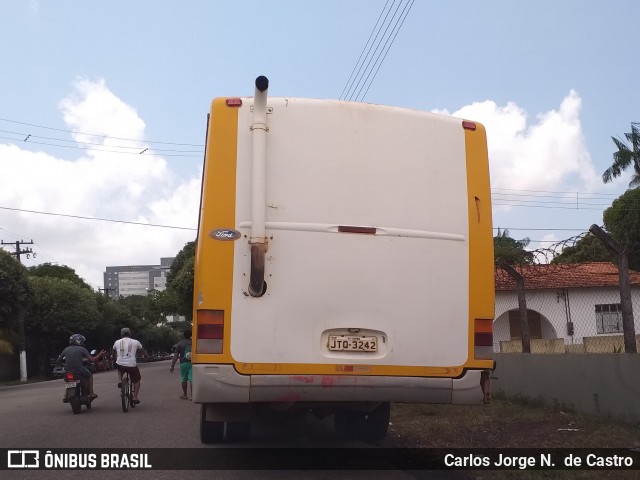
21	336
106	290
19	251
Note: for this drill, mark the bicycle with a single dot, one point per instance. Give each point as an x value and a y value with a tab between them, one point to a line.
126	393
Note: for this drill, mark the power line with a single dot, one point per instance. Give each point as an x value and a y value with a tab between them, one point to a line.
40	248
542	229
147	152
363	49
371	46
543	206
561	196
26	138
547	191
98	135
357	83
81	217
389	48
378	46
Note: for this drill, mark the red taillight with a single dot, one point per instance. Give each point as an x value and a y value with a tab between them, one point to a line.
209	331
234	102
467	125
483	338
68	376
483	332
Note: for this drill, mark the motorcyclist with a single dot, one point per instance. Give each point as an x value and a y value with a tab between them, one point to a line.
73	356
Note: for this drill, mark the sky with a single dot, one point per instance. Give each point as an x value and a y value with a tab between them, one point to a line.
87	86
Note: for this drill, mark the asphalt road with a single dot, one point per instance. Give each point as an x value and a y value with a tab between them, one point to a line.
33	416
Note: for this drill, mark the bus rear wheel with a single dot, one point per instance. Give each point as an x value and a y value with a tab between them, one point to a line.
210	431
376	423
369	426
238	431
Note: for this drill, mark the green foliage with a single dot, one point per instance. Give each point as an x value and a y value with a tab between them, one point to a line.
159	338
626	156
622	221
183	257
15	290
59	309
58	271
510	250
55	303
15	293
180	280
587	249
162	304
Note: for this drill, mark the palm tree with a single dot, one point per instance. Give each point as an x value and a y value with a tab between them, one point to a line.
510	250
625	156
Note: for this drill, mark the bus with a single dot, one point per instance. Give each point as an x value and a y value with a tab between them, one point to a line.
344	262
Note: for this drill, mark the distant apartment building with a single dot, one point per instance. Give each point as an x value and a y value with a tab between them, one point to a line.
127	280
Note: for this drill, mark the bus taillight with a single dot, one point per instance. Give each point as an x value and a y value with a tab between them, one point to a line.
468	125
234	102
483	338
210	331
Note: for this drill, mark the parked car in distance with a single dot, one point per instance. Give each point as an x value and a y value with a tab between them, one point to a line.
58	371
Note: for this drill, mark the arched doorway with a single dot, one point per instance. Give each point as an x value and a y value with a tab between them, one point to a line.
507	334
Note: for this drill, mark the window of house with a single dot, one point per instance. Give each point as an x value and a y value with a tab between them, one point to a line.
609	318
533	319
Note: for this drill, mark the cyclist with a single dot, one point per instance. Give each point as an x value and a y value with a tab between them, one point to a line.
125	350
74	356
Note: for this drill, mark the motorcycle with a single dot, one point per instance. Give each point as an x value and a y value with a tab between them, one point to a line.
77	389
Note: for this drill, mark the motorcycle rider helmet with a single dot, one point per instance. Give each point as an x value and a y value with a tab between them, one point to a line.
77	339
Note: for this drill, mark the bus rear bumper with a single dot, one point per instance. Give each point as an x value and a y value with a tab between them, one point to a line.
222	384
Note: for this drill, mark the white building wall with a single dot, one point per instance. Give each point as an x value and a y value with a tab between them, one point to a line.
580	309
133	283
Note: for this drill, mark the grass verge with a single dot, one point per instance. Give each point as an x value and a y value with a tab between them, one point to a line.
511	424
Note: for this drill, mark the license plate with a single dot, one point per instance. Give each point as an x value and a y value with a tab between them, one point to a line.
352	343
70	384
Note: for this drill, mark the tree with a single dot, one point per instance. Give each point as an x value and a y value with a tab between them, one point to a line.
587	249
180	279
114	316
510	250
58	271
59	309
162	304
15	293
622	221
627	155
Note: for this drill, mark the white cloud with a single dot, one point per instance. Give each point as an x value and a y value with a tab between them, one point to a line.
100	183
548	153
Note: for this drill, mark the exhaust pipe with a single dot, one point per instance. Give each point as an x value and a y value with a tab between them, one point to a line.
258	239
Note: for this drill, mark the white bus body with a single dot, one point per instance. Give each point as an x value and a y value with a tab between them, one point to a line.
344	259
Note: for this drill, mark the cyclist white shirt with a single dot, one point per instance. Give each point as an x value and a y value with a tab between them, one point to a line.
126	349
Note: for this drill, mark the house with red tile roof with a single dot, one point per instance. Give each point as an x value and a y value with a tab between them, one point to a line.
570	308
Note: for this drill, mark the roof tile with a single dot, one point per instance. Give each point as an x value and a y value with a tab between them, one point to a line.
569	275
